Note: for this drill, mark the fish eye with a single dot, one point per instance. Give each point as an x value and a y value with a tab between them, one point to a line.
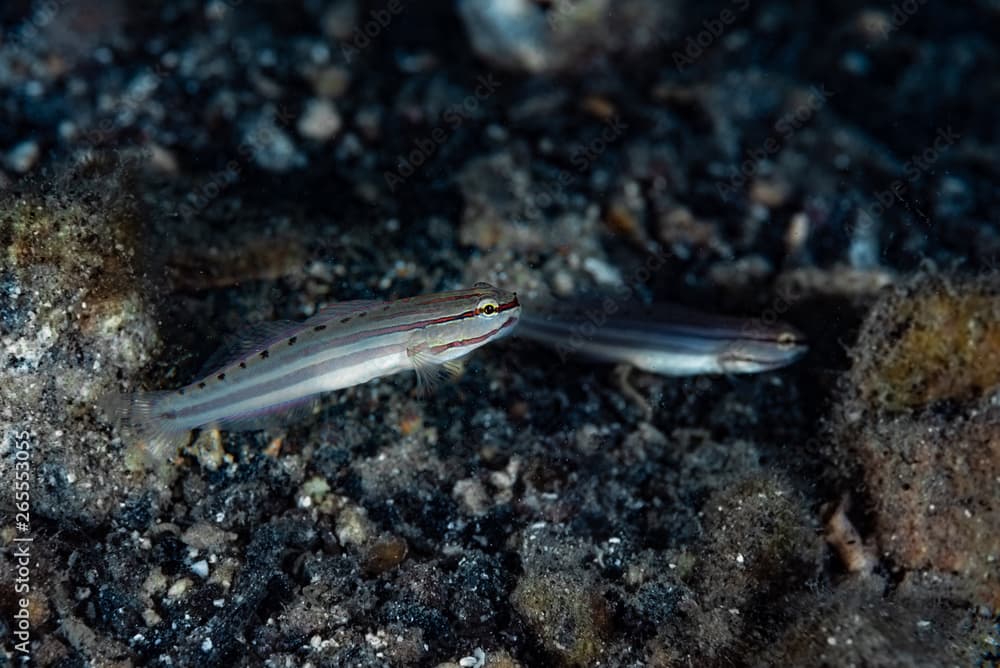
786	340
489	307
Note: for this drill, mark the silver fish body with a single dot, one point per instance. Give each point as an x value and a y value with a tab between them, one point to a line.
665	339
287	364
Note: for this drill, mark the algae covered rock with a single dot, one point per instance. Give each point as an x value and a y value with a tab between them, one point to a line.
75	315
562	602
757	540
920	424
931	484
857	624
930	341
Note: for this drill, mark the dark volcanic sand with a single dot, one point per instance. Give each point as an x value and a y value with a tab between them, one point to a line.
169	174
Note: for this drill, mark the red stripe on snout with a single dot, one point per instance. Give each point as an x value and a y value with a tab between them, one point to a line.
473	340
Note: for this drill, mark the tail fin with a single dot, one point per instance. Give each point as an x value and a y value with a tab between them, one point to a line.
136	414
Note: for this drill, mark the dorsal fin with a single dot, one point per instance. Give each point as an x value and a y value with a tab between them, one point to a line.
343	309
248	340
258	336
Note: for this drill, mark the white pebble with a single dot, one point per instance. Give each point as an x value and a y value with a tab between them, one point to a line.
178	588
319	121
23	157
602	272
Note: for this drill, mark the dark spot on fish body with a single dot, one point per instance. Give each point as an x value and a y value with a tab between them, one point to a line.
292	340
201	386
181	391
319	328
221	376
243	365
347	319
169	415
264	354
363	314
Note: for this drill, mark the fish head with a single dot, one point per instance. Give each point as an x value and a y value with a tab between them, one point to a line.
763	348
469	319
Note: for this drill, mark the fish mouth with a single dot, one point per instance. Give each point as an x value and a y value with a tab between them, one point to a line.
758	359
513	303
791	353
512	319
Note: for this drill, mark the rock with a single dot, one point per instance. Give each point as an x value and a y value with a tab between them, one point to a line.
320	120
23	157
385	554
526	36
270	146
920	424
353	527
330	82
512	34
562	603
933	340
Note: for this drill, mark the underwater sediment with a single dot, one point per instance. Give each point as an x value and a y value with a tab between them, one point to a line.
171	175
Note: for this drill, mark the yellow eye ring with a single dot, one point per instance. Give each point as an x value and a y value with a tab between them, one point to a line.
489	308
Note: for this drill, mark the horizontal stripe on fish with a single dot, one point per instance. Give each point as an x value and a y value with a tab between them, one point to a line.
474	341
334	340
341	346
217	407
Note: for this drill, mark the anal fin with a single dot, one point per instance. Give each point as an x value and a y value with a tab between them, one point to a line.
280	415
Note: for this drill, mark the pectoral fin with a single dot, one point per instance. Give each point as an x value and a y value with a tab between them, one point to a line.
431	372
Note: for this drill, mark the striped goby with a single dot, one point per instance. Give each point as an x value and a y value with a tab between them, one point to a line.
283	365
665	339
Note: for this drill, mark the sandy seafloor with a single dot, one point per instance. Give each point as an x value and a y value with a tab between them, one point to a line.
172	171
